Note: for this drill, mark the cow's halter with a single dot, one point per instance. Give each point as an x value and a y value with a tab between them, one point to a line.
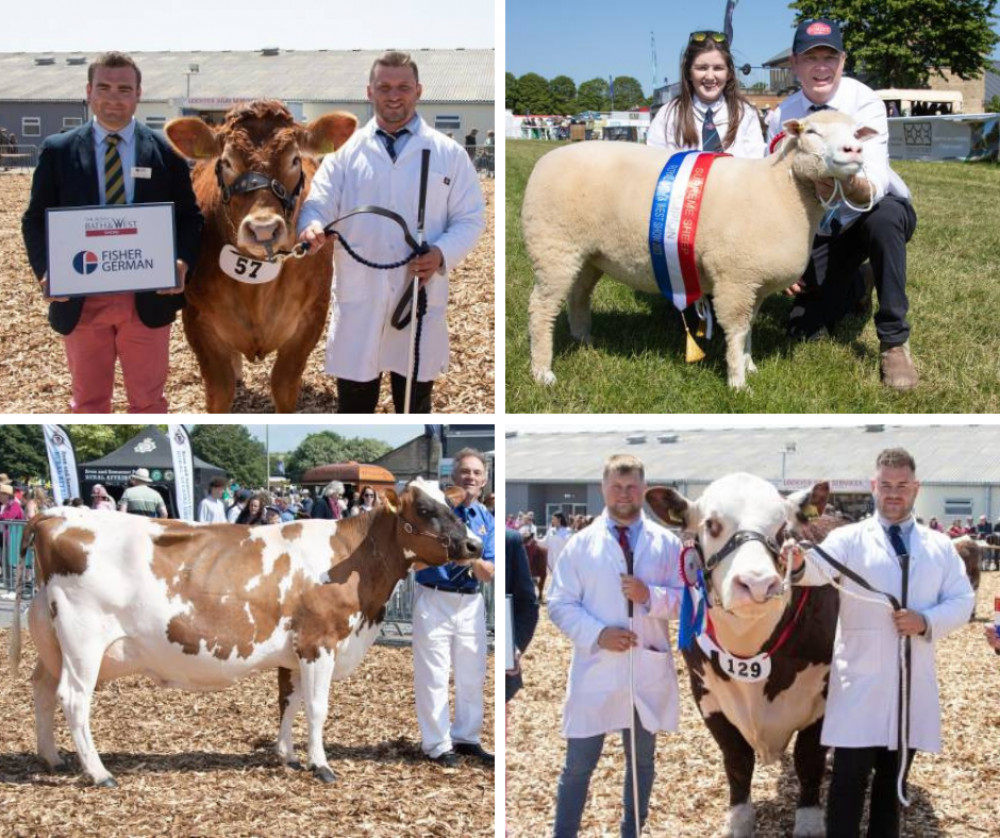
252	181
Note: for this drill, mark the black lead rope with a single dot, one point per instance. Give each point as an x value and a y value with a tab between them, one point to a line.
369	209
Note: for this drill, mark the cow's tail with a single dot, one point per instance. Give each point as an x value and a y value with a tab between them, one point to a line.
15	630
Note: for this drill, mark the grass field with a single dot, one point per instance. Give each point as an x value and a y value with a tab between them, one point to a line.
636	363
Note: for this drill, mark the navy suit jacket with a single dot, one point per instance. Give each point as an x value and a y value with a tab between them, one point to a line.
517	583
66	176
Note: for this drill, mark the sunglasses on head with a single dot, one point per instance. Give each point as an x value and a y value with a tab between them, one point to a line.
701	37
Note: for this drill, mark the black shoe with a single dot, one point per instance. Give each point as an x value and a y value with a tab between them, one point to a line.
474	749
446	760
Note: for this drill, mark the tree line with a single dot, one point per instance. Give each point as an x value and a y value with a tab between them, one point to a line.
532	93
230	447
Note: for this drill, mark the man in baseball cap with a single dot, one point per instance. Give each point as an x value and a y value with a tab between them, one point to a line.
874	224
818	32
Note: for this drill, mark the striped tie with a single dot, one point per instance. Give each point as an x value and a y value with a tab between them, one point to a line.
709	134
114	177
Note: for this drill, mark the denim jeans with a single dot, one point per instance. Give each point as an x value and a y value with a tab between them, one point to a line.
574	781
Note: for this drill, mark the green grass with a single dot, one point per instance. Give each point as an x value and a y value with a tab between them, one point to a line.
636	363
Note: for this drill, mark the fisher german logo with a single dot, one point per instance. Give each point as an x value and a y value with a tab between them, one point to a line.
107	226
85	262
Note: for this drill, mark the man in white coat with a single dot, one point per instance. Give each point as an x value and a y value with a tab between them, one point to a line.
588	603
862	709
380	165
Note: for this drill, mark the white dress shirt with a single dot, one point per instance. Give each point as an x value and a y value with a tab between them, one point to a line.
859	101
749	140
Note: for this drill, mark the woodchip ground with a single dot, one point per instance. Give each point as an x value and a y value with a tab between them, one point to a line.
201	764
34	378
954	793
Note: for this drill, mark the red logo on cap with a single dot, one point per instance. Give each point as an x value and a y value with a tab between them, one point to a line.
818	28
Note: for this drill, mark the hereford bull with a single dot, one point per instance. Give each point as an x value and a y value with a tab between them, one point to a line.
759	670
197	607
252	176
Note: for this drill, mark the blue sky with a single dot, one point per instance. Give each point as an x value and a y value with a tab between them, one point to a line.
585	39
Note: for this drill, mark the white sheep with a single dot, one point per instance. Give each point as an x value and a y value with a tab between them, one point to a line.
586	213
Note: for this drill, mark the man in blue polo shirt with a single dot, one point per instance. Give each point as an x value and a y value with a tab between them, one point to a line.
449	628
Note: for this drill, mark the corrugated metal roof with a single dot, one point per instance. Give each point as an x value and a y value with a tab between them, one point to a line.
944	453
455	75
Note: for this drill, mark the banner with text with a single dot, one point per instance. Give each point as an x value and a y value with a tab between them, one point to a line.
180	450
62	464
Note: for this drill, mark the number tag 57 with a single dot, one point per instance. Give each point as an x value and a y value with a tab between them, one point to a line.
246	269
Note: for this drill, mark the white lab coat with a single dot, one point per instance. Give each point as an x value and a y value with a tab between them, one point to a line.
586	596
861	709
362	342
555	540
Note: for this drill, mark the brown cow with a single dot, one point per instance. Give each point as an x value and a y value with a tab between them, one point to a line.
254	172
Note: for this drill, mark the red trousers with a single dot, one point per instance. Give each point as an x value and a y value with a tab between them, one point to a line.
110	330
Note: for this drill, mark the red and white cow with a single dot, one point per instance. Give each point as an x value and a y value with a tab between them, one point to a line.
197	607
759	672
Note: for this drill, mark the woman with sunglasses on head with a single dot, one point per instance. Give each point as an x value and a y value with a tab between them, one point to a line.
701	117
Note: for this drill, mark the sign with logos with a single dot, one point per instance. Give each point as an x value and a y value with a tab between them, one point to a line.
111	249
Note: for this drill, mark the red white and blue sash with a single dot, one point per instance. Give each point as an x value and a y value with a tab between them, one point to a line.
673	225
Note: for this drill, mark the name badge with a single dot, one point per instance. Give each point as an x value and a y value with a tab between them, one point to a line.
143	172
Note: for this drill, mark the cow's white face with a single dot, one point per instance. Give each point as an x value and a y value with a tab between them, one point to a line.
748	581
832	142
432	533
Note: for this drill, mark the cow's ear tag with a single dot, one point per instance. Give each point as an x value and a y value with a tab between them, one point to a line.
247	269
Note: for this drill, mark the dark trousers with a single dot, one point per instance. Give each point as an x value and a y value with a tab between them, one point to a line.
362	396
836	284
852	768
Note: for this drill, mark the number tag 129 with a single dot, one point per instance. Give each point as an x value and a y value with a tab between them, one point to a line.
748	670
246	269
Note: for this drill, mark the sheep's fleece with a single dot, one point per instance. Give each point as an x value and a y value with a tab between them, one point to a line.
586	213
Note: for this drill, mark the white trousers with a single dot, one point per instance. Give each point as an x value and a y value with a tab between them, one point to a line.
449	630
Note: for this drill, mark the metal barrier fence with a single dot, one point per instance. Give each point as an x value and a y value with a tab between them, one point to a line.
11	534
483	158
399	609
18	156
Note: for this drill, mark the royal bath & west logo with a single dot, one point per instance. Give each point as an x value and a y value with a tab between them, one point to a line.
105	226
85	262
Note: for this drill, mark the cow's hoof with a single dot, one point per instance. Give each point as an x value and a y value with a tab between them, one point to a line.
546	377
740	822
107	783
294	764
324	774
809	823
57	767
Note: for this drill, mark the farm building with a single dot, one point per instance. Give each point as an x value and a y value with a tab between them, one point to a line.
959	472
45	94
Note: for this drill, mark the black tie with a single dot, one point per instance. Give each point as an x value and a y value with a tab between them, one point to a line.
814	108
709	135
390	140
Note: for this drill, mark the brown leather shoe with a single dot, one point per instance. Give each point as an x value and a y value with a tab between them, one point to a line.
898	371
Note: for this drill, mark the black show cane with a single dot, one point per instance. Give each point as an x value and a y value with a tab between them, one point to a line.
416	315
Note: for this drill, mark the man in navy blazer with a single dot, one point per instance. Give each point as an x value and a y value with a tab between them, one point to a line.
133	328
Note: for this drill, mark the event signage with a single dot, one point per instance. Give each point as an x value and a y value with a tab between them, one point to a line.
180	450
62	464
111	249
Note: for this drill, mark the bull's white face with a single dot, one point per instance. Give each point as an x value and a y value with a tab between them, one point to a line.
832	142
747	582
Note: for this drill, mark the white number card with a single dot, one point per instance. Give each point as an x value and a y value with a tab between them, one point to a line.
110	249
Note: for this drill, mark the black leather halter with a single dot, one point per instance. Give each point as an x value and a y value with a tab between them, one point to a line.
252	181
737	540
